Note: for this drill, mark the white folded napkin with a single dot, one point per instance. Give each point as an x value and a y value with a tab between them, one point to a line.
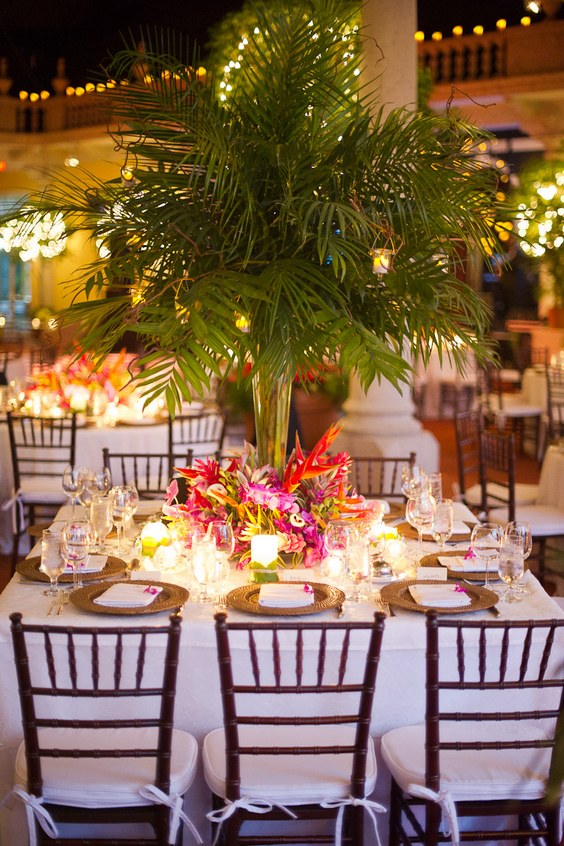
458	528
92	564
439	596
459	564
280	595
128	595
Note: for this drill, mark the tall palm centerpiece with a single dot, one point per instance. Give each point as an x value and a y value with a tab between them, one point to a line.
286	222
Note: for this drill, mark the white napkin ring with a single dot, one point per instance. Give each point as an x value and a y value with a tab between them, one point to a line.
373	808
255	806
174	802
447	805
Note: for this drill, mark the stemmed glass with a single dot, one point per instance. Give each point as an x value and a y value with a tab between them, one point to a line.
358	565
510	569
413	480
442	522
101	519
519	533
204	564
420	513
71	485
122	500
221	533
485	541
93	483
76	538
52	562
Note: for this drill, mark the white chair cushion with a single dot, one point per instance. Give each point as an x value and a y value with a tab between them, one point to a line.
546	521
524	494
46	489
289	779
468	775
107	782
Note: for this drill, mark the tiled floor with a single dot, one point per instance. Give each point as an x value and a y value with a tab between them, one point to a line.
527	471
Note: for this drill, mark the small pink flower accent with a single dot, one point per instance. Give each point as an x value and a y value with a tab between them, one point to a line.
470	554
152	590
459	589
308	589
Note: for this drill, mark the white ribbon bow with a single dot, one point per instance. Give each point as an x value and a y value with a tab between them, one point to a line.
16	504
447	805
34	810
255	806
373	808
174	802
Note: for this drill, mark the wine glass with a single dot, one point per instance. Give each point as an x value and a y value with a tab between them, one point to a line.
76	538
52	562
519	532
485	542
420	513
413	480
132	503
510	569
442	522
204	565
101	519
358	565
86	485
71	485
119	498
221	533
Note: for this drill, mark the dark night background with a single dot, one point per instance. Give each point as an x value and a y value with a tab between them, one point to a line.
33	34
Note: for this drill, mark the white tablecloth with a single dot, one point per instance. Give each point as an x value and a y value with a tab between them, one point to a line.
400	697
533	386
438	372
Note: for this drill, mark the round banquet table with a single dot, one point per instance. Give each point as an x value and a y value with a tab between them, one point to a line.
399	700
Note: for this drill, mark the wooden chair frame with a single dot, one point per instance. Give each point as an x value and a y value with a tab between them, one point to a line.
522	667
149	472
192	432
269	679
379	476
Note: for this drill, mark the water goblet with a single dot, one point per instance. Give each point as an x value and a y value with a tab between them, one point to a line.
101	519
510	569
52	562
71	485
76	538
221	533
442	522
420	513
86	485
358	566
204	565
485	542
413	480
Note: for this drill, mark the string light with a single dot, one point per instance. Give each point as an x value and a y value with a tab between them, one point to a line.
39	235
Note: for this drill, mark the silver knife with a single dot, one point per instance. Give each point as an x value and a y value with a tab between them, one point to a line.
495	611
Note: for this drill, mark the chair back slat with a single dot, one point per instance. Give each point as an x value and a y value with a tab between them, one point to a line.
555	402
203	434
150	472
41	446
497	467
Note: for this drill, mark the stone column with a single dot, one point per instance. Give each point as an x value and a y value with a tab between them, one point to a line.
381	422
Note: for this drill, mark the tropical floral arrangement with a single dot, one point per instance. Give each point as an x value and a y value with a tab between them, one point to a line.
255	500
73	382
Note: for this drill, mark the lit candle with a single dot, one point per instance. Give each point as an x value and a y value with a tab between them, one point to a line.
264	549
153	534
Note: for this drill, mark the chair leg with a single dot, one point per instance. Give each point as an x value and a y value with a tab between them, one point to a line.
395	816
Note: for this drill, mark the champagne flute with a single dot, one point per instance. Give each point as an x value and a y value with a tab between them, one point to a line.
52	562
420	513
101	519
76	538
442	522
71	485
221	533
485	542
510	569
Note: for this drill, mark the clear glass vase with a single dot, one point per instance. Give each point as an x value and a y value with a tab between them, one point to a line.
272	414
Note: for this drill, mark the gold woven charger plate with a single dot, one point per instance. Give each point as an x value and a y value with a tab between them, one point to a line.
245	598
469	575
36	530
29	568
170	597
409	532
397	593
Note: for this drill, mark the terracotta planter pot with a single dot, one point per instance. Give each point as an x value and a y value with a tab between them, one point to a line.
316	413
556	318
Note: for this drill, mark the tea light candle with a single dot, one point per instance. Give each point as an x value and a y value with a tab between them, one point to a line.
153	534
264	549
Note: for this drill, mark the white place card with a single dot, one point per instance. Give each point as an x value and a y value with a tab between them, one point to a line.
435	574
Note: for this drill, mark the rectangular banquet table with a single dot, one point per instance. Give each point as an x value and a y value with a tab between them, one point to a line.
399	695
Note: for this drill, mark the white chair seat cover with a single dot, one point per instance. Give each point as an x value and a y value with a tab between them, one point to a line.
42	489
546	521
468	775
525	494
107	782
288	779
